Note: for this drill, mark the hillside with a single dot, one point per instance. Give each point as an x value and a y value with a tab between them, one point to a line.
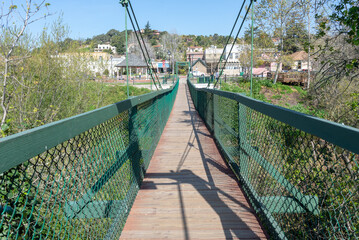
291	97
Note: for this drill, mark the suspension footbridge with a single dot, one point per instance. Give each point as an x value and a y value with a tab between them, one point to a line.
188	191
182	163
222	166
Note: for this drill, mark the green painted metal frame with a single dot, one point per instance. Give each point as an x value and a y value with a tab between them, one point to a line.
20	147
113	144
343	136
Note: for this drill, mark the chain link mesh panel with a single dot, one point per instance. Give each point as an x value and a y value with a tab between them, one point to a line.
301	186
84	187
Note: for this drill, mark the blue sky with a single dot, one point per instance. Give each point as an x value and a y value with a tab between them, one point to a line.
87	18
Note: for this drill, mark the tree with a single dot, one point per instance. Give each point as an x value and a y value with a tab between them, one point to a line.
119	43
14	22
113	32
135	47
170	43
295	37
336	54
273	17
347	15
245	60
102	38
260	38
148	30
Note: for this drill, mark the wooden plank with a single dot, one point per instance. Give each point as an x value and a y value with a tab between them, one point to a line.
188	191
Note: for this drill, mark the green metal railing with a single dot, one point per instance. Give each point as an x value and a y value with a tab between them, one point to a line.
169	78
299	172
77	178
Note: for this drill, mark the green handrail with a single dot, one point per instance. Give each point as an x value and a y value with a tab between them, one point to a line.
77	178
299	172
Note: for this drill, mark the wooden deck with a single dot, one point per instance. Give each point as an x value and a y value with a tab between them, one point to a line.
188	191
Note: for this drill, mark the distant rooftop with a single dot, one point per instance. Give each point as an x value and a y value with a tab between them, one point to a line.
133	61
301	55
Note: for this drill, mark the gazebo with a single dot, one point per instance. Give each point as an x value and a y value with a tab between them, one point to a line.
134	62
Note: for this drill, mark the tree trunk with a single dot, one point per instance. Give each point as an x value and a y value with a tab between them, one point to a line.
276	73
308	80
3	96
280	56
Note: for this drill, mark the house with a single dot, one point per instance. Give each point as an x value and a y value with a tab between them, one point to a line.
161	66
107	46
212	56
194	49
260	72
300	61
99	61
276	41
193	56
199	66
233	66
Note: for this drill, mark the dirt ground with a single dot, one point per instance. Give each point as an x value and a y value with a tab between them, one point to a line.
279	98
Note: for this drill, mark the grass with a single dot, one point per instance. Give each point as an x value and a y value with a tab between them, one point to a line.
278	94
112	93
277	97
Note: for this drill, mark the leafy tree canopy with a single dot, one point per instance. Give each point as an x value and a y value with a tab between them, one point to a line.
260	38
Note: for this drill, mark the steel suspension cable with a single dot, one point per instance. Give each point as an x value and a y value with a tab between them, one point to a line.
143	41
230	35
143	53
239	30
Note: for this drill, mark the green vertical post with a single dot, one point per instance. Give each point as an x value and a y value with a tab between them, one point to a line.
252	50
151	85
133	144
149	61
215	114
128	89
242	134
124	4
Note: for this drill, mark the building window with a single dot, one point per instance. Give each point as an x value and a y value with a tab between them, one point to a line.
299	64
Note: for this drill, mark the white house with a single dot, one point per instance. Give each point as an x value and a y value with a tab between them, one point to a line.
233	66
211	56
100	61
102	47
300	61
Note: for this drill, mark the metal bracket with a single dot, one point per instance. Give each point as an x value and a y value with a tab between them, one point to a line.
124	3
